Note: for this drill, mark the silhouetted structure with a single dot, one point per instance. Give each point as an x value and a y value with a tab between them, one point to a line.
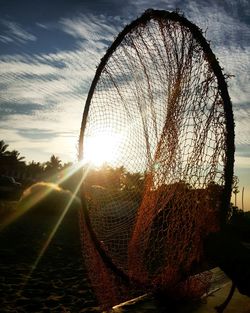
232	255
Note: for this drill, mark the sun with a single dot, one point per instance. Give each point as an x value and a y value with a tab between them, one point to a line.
101	148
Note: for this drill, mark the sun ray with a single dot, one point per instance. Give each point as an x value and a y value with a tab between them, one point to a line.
32	201
53	232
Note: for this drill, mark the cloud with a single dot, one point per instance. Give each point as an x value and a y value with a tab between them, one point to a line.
7	109
243	150
223	26
54	81
42	25
91	28
235	61
41	81
5	39
225	23
41	134
39	139
48	90
14	32
19	65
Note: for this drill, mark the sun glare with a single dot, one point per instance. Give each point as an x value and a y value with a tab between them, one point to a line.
101	148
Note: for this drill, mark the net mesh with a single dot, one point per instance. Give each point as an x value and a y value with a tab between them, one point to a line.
154	201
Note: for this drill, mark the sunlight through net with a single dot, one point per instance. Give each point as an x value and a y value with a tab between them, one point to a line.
160	91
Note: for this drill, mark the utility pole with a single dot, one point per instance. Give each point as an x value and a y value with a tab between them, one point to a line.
235	189
242	199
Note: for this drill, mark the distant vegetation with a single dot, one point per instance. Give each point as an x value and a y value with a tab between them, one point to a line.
239	223
13	164
66	174
111	179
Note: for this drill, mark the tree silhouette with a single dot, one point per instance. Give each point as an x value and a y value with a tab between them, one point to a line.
3	148
35	169
10	161
52	168
3	154
54	164
14	155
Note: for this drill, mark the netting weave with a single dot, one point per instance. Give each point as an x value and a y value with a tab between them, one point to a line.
158	95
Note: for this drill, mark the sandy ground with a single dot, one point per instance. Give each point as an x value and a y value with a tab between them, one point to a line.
59	283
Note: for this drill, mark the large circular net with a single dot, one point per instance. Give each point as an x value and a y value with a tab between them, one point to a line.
157	104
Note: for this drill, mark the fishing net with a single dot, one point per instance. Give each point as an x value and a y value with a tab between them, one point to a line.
159	95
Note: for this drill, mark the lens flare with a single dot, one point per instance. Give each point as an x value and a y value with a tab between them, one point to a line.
101	148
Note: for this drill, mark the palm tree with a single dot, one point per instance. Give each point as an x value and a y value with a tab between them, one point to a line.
52	168
3	148
3	152
11	162
14	162
54	164
15	156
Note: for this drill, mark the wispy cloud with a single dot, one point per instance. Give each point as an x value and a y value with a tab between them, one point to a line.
42	25
49	89
54	79
39	81
14	32
229	36
5	39
235	61
220	20
91	28
37	139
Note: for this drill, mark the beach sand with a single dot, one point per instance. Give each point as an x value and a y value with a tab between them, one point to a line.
59	283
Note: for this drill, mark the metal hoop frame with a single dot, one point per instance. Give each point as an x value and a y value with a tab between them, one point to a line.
222	86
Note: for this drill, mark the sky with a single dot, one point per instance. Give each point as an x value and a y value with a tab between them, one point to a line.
49	51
